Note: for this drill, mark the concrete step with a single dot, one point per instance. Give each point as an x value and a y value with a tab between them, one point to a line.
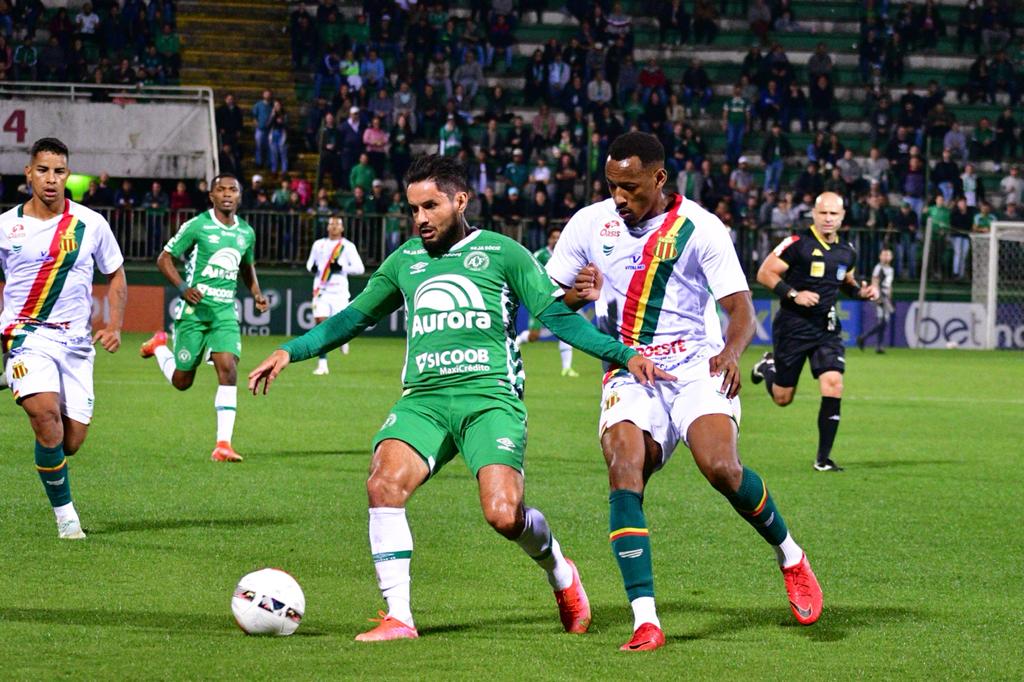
230	60
254	73
247	9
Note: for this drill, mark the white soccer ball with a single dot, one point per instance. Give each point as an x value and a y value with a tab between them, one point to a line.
268	602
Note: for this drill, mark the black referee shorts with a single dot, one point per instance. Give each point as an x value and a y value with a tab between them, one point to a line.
795	340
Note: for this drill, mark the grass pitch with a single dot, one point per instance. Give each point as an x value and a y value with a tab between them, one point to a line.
917	545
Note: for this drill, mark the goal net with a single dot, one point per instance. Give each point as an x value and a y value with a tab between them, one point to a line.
997	283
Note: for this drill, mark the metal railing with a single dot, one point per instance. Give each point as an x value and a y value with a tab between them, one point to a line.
284	239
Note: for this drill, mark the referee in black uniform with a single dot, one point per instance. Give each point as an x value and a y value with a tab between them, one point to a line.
806	271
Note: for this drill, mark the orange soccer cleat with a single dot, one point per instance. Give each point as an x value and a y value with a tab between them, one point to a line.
646	637
573	605
225	453
804	591
387	628
149	347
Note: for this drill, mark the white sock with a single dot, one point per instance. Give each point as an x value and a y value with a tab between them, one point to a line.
644	612
321	363
541	546
344	349
165	360
566	352
524	337
788	553
391	545
65	512
226	403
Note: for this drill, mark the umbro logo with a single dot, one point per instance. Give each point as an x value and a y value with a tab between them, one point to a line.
631	553
417	268
506	444
834	418
59	481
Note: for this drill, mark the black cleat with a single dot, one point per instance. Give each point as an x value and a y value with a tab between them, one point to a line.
757	371
860	342
880	351
827	465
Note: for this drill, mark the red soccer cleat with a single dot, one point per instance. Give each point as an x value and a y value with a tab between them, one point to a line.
804	591
573	605
388	628
225	453
149	347
646	638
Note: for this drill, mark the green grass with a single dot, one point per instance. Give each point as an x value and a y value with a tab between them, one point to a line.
917	545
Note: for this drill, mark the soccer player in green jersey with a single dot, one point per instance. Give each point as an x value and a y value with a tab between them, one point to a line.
217	247
463	382
534	327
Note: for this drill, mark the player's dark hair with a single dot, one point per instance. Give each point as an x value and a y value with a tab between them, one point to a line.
448	174
553	229
222	176
49	144
644	146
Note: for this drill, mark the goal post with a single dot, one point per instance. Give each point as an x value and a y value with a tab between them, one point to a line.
997	282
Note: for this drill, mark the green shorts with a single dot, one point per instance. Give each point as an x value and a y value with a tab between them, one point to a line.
485	429
192	338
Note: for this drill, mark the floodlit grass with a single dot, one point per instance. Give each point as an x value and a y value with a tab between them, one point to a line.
917	545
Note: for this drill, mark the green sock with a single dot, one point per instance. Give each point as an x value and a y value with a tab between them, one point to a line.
755	505
631	543
53	471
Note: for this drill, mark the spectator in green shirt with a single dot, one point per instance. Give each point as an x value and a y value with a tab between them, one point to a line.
168	46
362	174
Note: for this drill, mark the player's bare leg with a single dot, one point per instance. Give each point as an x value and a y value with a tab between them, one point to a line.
43	410
396	471
321	363
501	498
831	384
632	457
226	405
712	441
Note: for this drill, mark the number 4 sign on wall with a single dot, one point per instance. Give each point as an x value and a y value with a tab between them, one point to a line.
15	123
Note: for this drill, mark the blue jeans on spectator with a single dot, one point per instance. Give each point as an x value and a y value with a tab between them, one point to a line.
320	79
690	93
734	141
645	95
262	142
961	249
490	56
947	191
278	151
773	175
789	112
916	204
906	256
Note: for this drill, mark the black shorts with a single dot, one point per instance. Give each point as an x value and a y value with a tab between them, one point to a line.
795	339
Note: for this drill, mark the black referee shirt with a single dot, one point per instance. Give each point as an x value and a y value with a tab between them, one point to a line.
817	266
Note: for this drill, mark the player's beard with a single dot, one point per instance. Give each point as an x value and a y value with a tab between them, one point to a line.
446	237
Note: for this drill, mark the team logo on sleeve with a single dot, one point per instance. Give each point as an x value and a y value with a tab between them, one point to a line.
841	272
476	261
18	369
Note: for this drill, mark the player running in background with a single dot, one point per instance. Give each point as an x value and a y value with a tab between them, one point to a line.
49	249
881	279
534	327
217	247
331	260
806	271
463	382
659	262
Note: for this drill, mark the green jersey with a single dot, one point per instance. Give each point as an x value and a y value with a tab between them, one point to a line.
736	109
460	310
542	255
213	253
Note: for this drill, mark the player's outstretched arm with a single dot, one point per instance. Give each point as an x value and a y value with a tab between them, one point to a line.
334	332
268	370
740	308
165	264
579	333
117	297
585	289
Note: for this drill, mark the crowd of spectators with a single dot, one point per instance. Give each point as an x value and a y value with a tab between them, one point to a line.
118	42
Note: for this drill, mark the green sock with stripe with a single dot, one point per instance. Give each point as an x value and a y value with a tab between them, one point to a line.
53	472
391	545
631	543
755	504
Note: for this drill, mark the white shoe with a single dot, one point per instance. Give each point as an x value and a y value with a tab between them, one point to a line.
321	371
344	349
70	529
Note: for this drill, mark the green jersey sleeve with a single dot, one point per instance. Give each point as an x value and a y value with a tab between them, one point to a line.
382	294
249	256
183	240
529	281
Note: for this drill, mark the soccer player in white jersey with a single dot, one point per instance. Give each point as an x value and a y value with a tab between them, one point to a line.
656	261
49	248
331	260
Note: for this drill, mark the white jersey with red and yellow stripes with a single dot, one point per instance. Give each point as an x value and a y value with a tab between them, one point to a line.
661	278
48	266
340	253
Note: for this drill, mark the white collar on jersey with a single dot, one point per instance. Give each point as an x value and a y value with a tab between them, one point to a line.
472	234
213	217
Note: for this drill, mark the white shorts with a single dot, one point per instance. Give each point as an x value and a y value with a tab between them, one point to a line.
667	409
325	304
42	365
